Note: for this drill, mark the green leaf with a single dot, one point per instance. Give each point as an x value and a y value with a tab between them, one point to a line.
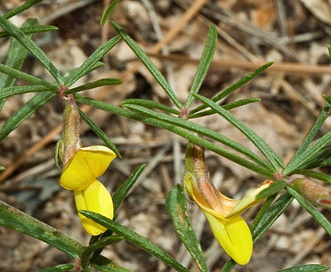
15	73
94	84
308	156
58	268
301	153
135	239
320	218
108	11
122	191
306	268
31	47
273	189
266	217
265	149
97	246
25	112
98	131
266	172
15	90
201	130
31	30
313	174
176	207
21	8
105	265
150	105
91	61
234	86
228	266
87	70
19	221
206	59
15	59
229	106
149	64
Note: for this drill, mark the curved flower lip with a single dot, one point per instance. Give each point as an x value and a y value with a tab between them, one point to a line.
94	198
227	207
85	166
223	214
234	236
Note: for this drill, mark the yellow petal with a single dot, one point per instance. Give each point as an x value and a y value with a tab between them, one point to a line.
249	199
234	237
94	198
85	166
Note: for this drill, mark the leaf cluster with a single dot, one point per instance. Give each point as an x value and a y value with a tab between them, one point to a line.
177	118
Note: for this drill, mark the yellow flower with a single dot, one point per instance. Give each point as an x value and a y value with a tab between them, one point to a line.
80	175
81	168
223	213
87	164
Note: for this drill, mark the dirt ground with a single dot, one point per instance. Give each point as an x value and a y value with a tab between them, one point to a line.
292	33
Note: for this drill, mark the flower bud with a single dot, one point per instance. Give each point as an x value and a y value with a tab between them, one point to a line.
313	192
70	141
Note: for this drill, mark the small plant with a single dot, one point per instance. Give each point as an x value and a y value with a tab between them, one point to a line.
81	166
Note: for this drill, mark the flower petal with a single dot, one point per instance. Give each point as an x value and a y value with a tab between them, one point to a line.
94	198
85	166
249	199
234	237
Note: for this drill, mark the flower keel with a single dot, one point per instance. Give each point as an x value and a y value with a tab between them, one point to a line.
94	198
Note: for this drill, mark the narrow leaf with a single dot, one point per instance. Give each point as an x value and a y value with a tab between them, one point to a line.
25	112
98	131
19	221
307	155
91	61
273	189
15	73
21	8
265	149
31	30
150	104
149	64
108	11
15	58
97	247
58	268
176	207
206	59
229	106
15	90
135	239
122	191
103	264
234	86
306	268
94	84
313	174
299	155
263	222
201	130
32	47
